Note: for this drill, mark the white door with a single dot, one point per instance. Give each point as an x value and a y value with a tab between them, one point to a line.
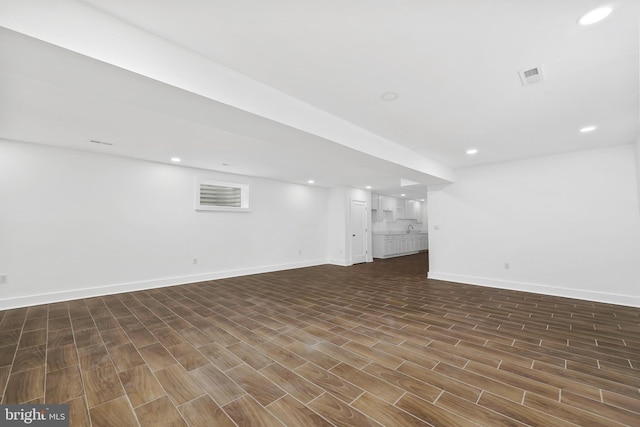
358	231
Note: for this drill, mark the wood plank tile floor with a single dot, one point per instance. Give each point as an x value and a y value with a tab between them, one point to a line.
368	345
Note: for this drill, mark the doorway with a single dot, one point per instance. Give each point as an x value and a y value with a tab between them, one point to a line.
358	231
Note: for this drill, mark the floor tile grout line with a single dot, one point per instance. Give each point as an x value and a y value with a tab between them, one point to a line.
159	297
13	360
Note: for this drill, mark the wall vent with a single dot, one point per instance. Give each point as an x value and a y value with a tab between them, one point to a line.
531	76
218	195
226	196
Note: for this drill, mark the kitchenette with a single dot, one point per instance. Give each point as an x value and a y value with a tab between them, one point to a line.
399	226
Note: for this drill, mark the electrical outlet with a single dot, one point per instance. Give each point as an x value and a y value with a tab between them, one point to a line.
195	260
507	266
3	279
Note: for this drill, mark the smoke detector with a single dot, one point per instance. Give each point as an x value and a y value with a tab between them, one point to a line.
531	76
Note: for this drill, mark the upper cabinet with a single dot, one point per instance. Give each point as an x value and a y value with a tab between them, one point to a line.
388	203
400	212
418	208
408	209
413	210
387	208
375	201
392	209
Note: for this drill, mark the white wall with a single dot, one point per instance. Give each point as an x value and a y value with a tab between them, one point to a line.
76	224
638	169
567	225
337	239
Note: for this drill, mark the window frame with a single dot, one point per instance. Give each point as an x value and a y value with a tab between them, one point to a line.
244	196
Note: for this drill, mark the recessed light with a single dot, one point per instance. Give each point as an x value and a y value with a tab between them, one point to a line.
311	181
595	15
472	151
402	195
588	129
422	200
176	159
368	187
389	96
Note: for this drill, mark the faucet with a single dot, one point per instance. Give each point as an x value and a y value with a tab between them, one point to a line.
409	228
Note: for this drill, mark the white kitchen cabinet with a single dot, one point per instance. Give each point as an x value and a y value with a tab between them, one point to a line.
413	210
377	214
423	242
409	209
392	209
404	245
388	203
418	208
387	206
400	209
379	246
392	245
375	201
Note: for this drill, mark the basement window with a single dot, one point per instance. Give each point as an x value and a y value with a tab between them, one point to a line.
221	196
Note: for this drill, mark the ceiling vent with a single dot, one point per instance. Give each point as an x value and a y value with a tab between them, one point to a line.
95	141
531	76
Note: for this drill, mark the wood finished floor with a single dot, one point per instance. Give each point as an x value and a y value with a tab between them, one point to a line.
368	345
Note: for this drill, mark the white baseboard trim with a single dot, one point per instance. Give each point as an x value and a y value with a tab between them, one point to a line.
53	297
340	262
628	300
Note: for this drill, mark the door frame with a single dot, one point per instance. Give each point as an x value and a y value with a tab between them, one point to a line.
365	231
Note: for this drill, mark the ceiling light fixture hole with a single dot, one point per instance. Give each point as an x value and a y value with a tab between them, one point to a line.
389	96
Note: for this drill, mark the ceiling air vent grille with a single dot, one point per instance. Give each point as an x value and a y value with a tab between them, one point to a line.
531	76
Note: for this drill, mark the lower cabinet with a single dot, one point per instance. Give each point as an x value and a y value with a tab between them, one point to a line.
390	245
423	243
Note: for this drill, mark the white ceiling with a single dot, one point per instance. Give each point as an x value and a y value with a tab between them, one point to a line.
453	64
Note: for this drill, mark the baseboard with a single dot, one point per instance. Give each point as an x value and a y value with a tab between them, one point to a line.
53	297
345	263
340	262
398	255
628	300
